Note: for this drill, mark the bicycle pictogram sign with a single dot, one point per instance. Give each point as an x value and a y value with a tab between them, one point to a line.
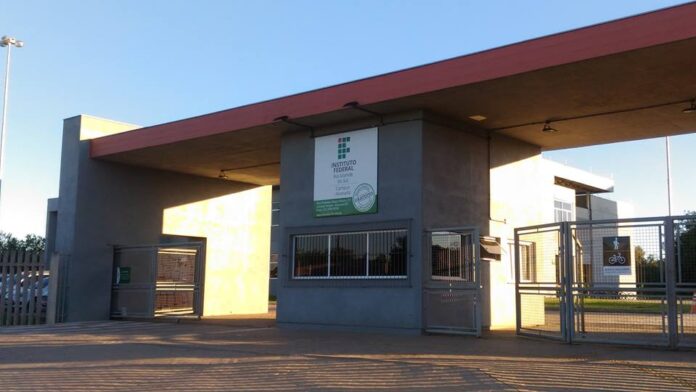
617	255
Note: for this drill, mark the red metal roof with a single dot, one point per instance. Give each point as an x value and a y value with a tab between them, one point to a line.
636	32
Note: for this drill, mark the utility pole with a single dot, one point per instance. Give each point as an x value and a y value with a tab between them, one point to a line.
8	42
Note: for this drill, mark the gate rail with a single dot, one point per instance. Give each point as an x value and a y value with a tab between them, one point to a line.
629	281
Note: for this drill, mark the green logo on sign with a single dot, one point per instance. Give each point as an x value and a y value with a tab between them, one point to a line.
343	148
123	275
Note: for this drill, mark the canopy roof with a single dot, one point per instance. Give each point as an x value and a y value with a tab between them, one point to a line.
622	80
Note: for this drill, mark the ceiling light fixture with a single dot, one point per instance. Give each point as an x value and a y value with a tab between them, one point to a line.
548	128
692	108
477	117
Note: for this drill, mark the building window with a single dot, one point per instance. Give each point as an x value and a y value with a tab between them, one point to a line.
527	267
563	211
452	256
274	265
355	255
275	214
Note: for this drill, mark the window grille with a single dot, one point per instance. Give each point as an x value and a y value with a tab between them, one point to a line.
452	256
355	255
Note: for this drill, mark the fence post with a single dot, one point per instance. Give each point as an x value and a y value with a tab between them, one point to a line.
52	302
518	296
670	282
478	303
4	285
567	280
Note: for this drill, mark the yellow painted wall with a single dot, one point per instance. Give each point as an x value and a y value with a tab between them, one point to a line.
238	232
502	295
521	193
93	127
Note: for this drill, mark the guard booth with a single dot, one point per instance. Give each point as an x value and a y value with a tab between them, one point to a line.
408	155
629	281
158	280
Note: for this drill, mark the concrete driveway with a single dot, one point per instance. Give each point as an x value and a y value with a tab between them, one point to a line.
120	356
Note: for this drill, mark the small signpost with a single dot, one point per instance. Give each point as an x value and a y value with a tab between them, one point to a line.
616	258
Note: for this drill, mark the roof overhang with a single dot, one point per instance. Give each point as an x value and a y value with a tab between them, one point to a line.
623	80
577	179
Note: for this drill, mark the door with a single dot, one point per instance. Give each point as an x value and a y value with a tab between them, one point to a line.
452	295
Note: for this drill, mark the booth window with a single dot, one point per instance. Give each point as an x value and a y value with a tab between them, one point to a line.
274	265
452	256
275	214
355	255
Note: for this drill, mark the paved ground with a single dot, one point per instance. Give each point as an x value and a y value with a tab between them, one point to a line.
162	356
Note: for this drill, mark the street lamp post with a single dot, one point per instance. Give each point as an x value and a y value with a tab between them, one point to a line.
8	42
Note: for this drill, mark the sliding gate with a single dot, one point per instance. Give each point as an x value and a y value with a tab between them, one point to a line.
157	280
629	281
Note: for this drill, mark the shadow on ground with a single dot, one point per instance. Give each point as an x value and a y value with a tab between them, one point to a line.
155	356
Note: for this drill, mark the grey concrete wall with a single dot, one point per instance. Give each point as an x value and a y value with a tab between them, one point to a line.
455	177
601	209
365	304
102	204
455	189
51	226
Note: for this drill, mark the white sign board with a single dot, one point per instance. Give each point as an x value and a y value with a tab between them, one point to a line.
345	173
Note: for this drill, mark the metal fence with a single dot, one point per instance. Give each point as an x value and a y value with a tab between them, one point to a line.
23	288
157	280
627	281
540	303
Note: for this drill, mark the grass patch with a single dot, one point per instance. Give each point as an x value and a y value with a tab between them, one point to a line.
617	305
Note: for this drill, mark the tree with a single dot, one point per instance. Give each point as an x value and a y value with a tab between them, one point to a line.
34	243
8	242
647	267
30	243
686	248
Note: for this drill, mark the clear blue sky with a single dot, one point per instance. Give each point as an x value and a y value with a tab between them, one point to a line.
147	62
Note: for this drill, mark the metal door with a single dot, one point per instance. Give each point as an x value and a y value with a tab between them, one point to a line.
157	280
452	295
539	281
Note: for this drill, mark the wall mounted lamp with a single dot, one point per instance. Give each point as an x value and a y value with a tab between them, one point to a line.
548	128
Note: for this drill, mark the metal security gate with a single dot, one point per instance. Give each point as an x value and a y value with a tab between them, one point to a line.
452	295
157	280
630	281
